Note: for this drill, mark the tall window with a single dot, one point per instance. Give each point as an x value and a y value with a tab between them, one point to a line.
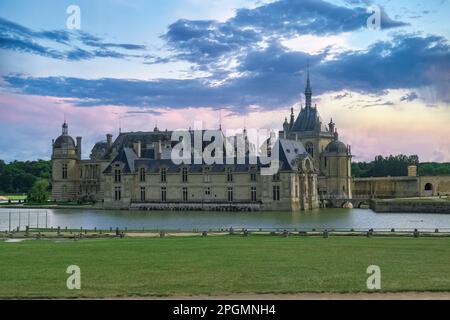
163	194
229	175
163	174
253	194
276	193
310	149
64	171
142	174
142	193
276	177
117	175
207	191
184	174
206	176
253	174
117	193
185	194
230	194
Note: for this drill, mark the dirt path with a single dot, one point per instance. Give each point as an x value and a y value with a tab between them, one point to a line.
312	296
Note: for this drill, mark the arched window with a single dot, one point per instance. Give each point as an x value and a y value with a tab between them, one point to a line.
310	149
428	187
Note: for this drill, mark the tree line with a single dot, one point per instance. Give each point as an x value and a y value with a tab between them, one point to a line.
396	166
21	176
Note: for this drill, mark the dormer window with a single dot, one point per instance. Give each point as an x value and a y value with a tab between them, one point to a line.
142	174
117	175
184	174
163	174
229	175
310	149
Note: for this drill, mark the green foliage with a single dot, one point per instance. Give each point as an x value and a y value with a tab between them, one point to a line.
385	166
434	169
40	191
20	176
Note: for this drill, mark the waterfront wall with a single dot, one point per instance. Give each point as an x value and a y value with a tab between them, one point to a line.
400	187
411	206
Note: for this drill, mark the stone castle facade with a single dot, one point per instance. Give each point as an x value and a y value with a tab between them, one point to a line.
135	171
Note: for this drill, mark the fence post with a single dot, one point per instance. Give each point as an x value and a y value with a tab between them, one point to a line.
9	227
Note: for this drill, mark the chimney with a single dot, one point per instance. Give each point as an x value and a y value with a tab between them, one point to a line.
158	149
109	140
79	147
137	148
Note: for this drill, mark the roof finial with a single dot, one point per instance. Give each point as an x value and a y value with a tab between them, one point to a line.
220	119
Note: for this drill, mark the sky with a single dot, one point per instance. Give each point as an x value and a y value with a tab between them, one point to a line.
139	64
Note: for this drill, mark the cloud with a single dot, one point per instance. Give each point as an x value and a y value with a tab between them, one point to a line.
409	97
270	78
18	38
408	61
203	41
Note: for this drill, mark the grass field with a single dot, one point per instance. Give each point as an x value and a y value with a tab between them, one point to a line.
14	197
222	265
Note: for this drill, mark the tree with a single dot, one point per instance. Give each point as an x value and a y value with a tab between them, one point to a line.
39	192
19	176
394	166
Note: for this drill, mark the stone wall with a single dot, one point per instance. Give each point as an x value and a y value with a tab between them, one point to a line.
399	187
412	206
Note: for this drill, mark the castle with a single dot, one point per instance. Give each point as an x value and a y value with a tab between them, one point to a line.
136	171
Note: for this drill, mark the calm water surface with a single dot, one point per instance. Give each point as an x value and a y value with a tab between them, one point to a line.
319	219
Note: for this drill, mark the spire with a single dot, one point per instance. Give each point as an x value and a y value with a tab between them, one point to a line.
308	91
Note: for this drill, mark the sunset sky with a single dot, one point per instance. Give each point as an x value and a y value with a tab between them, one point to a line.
170	62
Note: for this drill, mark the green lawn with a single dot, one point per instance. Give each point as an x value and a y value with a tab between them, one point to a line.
15	197
220	265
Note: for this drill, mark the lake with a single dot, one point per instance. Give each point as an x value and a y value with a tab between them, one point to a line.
317	219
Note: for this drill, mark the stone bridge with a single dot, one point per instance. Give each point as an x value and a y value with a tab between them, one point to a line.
343	202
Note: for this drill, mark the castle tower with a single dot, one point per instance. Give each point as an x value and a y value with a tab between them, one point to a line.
336	165
65	155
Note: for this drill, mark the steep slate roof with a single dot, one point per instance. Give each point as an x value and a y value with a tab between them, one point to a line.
307	120
289	151
126	156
